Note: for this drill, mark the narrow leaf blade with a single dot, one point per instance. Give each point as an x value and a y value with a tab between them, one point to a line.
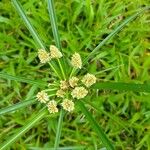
16	106
95	126
59	128
120	86
21	79
28	24
53	20
33	120
119	28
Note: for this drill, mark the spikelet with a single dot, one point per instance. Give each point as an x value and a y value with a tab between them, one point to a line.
79	92
89	79
54	52
76	61
52	107
60	93
42	97
43	56
68	105
73	81
64	85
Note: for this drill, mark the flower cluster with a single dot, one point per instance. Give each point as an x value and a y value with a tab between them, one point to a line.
69	89
45	56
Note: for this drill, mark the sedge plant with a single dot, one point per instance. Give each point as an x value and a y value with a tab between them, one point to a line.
68	88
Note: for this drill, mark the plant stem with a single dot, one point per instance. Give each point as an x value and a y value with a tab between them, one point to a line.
72	72
61	68
55	70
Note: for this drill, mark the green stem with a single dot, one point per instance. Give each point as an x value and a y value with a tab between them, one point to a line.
72	72
48	90
55	70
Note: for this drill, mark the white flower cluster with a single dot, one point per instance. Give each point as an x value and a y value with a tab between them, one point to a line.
74	87
45	57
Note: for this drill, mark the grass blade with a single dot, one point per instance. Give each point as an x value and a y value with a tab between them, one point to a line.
33	32
21	79
22	14
52	16
58	133
53	20
120	86
119	28
16	106
60	148
33	120
28	24
95	126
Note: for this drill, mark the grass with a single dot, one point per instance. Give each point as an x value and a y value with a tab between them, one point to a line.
122	115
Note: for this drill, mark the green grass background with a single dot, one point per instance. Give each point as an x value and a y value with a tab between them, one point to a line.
124	116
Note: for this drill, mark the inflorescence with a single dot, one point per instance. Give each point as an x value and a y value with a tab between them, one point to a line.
69	89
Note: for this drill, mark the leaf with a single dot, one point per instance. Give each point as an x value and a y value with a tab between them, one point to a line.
120	86
53	20
119	28
28	24
59	127
21	79
33	120
60	148
95	126
34	34
52	16
116	119
16	106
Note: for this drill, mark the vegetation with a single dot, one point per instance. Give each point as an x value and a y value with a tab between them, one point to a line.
112	38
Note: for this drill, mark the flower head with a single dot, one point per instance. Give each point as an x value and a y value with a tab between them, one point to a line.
73	81
52	106
64	85
68	105
42	97
54	52
79	92
43	56
88	80
60	93
76	61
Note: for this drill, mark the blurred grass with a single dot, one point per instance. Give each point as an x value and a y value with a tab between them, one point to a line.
82	25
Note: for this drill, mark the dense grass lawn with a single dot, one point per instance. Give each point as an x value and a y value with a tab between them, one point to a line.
123	115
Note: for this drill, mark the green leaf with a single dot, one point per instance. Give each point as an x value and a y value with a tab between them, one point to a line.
28	24
21	79
120	86
16	106
52	16
53	20
119	28
60	148
33	120
58	133
95	126
34	34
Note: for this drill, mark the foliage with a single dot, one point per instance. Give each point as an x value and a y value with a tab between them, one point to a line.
82	25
